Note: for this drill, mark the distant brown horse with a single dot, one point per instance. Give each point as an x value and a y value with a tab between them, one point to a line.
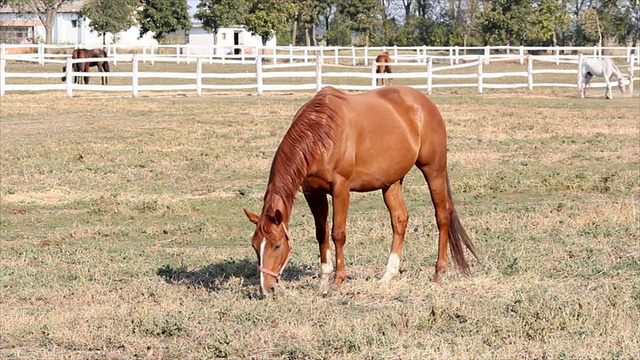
383	68
103	66
338	143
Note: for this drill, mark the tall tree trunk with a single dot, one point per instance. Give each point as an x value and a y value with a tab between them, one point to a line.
48	23
306	36
313	35
294	29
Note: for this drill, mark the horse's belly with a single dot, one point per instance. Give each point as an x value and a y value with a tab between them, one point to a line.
371	176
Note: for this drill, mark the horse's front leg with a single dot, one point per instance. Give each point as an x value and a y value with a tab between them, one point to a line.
399	219
340	194
319	207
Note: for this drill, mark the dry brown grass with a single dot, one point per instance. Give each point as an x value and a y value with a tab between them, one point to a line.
123	235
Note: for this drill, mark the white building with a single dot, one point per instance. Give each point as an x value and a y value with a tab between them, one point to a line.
70	28
230	40
234	40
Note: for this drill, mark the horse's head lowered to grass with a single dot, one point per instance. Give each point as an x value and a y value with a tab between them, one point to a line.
272	245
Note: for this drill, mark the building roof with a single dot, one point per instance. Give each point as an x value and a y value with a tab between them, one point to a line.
68	7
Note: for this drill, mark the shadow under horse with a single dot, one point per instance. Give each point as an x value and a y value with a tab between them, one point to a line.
103	66
382	67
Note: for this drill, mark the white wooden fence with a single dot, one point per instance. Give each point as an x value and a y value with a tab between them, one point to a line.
316	64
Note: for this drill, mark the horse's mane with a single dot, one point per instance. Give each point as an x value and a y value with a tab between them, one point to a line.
311	134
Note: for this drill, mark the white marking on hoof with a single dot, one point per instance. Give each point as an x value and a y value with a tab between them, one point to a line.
393	268
325	273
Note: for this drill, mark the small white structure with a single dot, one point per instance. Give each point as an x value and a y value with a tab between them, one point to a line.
230	41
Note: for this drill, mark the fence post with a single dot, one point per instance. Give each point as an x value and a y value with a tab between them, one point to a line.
579	71
480	60
134	78
199	76
335	54
70	77
457	55
429	75
557	55
259	75
318	72
114	55
153	50
530	71
631	56
3	64
41	53
353	55
374	80
521	53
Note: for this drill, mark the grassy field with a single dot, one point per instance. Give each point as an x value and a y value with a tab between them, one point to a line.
123	237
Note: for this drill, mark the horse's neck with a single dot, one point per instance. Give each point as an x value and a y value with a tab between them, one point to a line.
276	198
615	71
284	181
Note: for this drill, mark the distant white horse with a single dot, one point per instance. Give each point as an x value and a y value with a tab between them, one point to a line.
604	68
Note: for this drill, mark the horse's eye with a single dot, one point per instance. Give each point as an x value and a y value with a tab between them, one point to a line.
277	247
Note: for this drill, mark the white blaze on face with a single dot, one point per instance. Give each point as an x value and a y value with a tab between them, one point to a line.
262	246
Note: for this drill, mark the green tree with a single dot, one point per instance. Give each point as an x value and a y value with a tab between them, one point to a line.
627	22
364	16
216	14
46	11
163	17
520	22
265	18
108	16
507	22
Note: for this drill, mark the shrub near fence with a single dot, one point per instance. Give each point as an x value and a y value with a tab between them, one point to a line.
292	71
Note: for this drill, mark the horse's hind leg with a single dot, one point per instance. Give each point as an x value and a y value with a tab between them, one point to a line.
399	219
436	178
585	81
100	69
319	207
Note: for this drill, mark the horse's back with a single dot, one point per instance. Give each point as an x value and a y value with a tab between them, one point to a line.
383	133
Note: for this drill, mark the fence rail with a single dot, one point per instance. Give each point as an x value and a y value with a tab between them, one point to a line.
316	66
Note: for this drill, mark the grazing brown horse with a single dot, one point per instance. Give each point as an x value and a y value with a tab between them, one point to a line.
383	68
338	143
103	66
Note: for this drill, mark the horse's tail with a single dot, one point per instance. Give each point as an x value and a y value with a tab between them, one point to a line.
459	237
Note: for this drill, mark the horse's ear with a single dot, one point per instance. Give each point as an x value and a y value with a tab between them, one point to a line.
252	217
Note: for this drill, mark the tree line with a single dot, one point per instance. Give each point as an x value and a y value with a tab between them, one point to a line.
370	22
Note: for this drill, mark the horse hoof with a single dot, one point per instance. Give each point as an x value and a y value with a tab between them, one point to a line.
334	292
